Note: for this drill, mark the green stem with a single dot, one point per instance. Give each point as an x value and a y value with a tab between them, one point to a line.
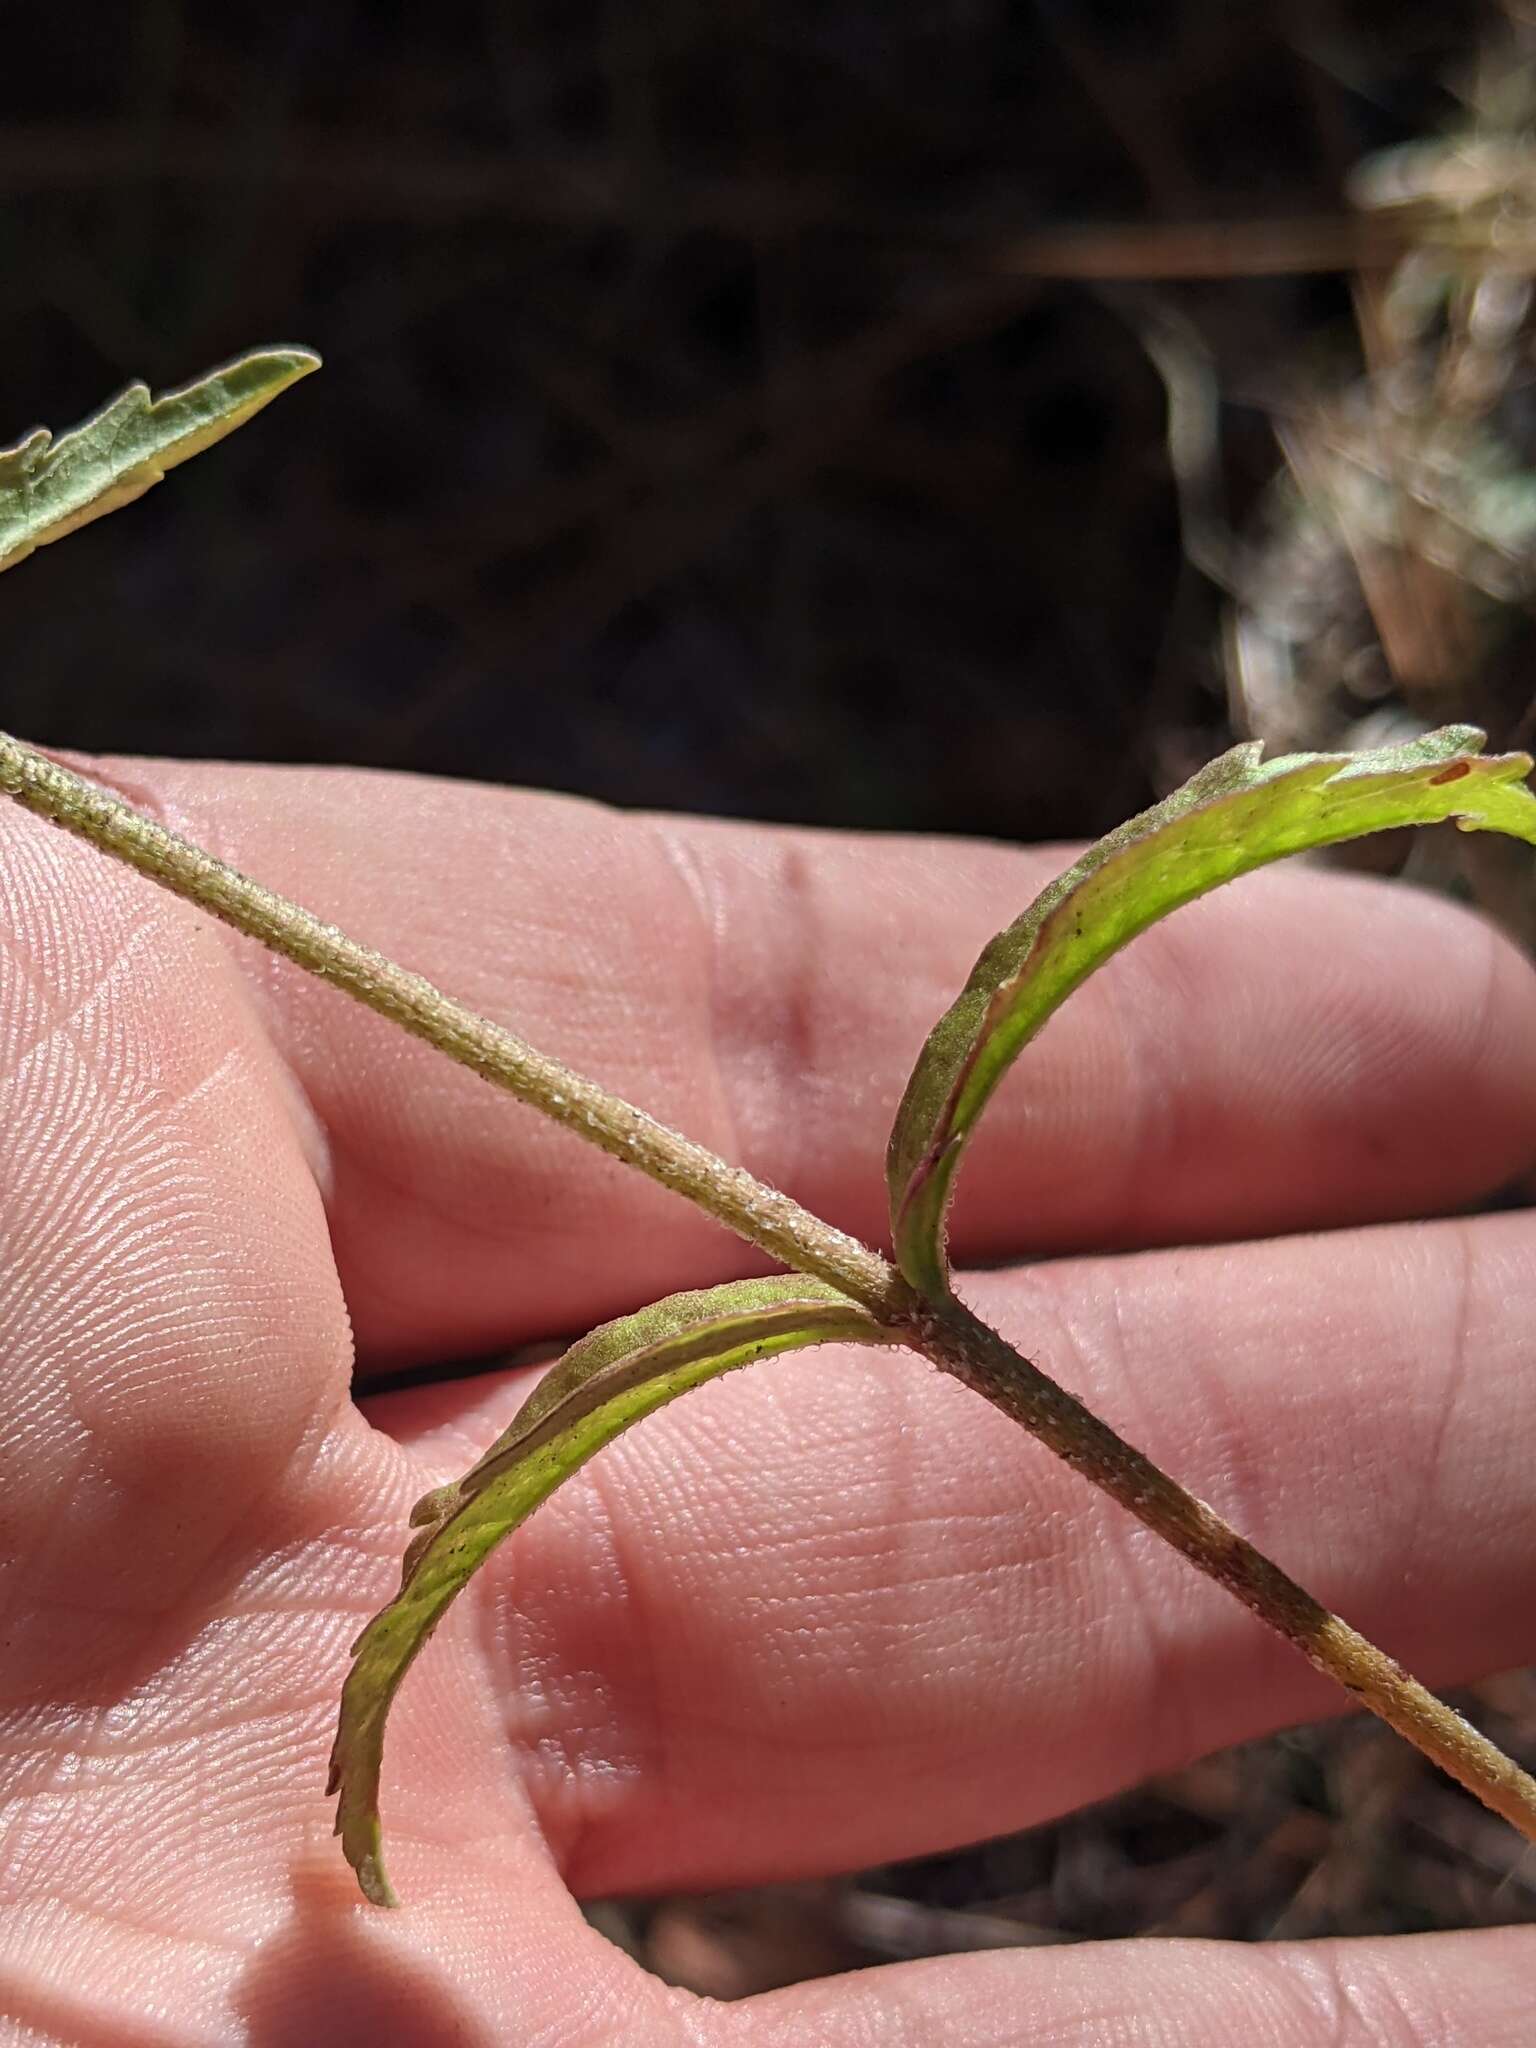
943	1331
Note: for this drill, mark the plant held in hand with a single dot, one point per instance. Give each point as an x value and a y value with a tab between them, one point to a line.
1237	814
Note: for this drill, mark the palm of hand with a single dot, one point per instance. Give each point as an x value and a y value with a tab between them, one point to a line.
832	1611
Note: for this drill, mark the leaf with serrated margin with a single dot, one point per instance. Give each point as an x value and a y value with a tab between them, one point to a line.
49	487
1238	813
608	1380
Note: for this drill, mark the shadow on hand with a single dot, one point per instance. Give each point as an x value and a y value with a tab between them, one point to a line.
329	1975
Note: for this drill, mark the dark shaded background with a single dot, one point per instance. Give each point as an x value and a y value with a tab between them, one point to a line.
689	437
683	439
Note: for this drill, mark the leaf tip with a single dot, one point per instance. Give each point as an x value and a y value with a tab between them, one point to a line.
287	360
50	487
374	1879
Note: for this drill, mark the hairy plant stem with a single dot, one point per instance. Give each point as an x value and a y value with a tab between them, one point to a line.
944	1331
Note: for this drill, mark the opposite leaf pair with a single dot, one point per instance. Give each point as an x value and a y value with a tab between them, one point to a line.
1236	814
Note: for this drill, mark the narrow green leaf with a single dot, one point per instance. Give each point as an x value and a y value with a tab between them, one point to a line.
1238	813
49	487
622	1371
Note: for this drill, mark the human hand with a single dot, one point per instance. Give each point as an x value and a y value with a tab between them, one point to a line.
831	1611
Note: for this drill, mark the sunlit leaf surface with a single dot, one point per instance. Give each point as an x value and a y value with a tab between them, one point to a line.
622	1371
1238	813
49	487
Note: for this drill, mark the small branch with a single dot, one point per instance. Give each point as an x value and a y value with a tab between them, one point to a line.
952	1337
754	1211
944	1332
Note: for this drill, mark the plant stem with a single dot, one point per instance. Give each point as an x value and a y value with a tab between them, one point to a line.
976	1355
754	1211
943	1331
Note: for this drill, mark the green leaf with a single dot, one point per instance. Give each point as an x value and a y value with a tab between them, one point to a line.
1238	813
48	487
620	1372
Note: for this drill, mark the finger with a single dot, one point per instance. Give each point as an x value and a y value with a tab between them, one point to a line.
841	1584
175	1349
167	1873
174	1330
190	1517
1458	1991
1299	1051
